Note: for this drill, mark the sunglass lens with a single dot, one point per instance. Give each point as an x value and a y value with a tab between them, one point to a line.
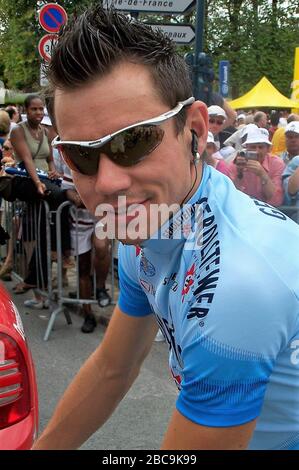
216	121
125	149
81	159
131	146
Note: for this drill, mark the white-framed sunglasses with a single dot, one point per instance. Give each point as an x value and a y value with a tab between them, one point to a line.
125	147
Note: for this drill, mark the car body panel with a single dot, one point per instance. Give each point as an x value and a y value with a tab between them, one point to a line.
20	435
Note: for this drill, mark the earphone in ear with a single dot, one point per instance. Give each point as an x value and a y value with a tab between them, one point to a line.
194	147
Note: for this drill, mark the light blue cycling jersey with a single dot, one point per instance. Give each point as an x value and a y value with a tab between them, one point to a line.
227	300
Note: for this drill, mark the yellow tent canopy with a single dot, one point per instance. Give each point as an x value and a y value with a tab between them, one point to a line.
263	95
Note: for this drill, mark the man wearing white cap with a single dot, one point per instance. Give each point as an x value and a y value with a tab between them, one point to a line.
241	121
220	119
291	186
291	172
257	172
292	141
238	138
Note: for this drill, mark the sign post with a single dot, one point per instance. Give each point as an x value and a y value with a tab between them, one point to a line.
43	81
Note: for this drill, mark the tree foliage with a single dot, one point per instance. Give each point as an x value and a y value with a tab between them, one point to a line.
20	33
258	37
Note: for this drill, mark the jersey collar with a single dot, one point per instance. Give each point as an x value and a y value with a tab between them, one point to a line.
175	232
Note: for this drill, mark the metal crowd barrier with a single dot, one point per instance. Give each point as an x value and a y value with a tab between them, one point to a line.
63	300
32	228
29	229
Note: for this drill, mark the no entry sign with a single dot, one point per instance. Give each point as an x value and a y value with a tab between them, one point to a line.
45	46
51	17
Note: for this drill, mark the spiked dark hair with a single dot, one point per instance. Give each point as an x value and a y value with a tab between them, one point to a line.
91	45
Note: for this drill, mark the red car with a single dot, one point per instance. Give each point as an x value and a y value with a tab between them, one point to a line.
18	390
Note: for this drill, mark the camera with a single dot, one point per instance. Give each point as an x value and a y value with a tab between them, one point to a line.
248	154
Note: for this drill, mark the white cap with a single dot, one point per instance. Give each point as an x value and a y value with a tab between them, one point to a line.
292	127
258	136
246	129
210	139
241	116
216	111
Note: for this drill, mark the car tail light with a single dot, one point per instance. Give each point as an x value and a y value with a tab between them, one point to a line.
14	383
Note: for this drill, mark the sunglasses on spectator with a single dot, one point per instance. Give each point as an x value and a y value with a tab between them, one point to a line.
5	147
125	147
216	121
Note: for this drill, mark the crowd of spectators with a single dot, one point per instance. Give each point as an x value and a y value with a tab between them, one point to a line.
261	154
26	144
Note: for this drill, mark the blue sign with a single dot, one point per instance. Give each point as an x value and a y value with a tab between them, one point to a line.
224	67
51	17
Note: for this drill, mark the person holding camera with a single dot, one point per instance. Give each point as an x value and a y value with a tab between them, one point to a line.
256	172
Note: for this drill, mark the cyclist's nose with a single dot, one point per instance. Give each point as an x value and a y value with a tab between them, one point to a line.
111	178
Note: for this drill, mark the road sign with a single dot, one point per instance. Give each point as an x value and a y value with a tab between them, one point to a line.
181	34
45	46
51	17
158	6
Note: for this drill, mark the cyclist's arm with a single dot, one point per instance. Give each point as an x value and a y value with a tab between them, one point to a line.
101	383
185	434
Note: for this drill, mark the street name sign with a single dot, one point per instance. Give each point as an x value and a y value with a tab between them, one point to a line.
155	6
181	34
51	17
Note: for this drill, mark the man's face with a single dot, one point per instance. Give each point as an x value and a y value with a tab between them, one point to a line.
261	149
292	143
124	97
263	122
215	124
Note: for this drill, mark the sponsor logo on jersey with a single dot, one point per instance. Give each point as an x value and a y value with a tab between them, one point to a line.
147	286
177	379
147	267
189	281
171	280
207	273
138	250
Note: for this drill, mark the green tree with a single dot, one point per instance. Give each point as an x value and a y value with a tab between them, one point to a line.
20	33
258	37
18	40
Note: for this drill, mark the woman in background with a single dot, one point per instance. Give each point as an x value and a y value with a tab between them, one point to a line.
31	143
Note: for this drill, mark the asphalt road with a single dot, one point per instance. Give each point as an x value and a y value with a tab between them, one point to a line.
140	420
